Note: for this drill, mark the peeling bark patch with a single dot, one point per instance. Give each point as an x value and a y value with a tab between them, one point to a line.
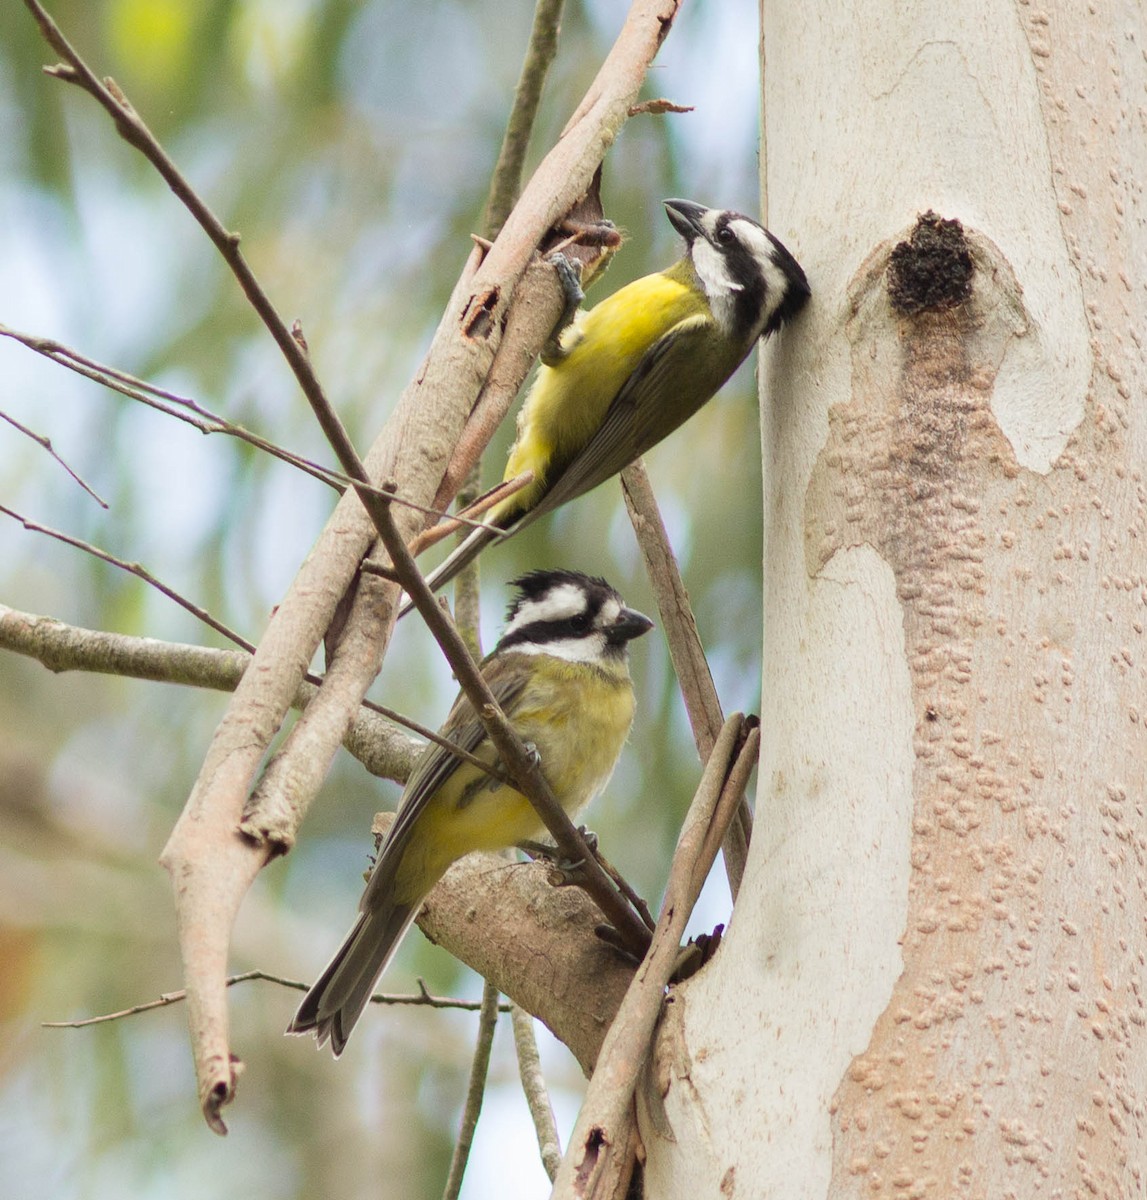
1023	598
933	269
478	320
595	1142
911	463
910	455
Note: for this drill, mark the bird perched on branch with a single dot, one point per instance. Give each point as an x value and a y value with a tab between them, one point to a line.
561	674
618	378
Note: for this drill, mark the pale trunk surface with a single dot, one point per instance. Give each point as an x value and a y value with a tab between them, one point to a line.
933	984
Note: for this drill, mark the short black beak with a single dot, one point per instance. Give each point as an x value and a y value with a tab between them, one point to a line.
630	624
686	217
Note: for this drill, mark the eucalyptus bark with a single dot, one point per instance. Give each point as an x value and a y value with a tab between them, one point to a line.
933	981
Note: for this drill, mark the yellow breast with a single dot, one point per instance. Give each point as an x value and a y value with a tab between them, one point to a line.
577	717
568	401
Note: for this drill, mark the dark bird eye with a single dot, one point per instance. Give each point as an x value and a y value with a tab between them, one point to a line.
725	235
580	623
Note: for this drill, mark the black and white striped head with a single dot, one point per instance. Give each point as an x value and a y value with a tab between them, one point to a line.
572	616
753	284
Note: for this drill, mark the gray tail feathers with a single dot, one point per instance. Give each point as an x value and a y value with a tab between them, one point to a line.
465	554
334	1004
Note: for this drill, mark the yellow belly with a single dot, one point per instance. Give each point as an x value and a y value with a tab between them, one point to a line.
567	402
577	718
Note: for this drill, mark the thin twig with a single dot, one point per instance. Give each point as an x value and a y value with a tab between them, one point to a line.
626	888
468	515
522	767
468	585
135	132
506	182
475	1091
421	999
140	572
202	419
534	1086
45	443
428	1001
689	663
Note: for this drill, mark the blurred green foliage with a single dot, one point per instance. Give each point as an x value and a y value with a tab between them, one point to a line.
351	144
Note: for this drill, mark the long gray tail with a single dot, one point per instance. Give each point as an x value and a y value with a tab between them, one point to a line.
334	1004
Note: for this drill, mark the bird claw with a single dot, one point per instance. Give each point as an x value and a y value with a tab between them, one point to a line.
537	849
569	276
564	872
589	836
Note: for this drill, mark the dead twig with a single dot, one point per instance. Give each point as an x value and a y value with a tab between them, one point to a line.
45	443
467	516
420	999
136	569
689	663
534	1087
658	108
475	1092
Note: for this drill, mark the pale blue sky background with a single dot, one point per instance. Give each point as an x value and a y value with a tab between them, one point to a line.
102	258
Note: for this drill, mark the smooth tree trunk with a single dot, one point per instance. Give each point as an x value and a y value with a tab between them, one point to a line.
933	982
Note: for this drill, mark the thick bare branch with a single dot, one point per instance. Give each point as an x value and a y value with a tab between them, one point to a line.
373	737
535	942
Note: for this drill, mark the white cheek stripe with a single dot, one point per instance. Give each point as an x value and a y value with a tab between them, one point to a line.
713	269
721	289
579	650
